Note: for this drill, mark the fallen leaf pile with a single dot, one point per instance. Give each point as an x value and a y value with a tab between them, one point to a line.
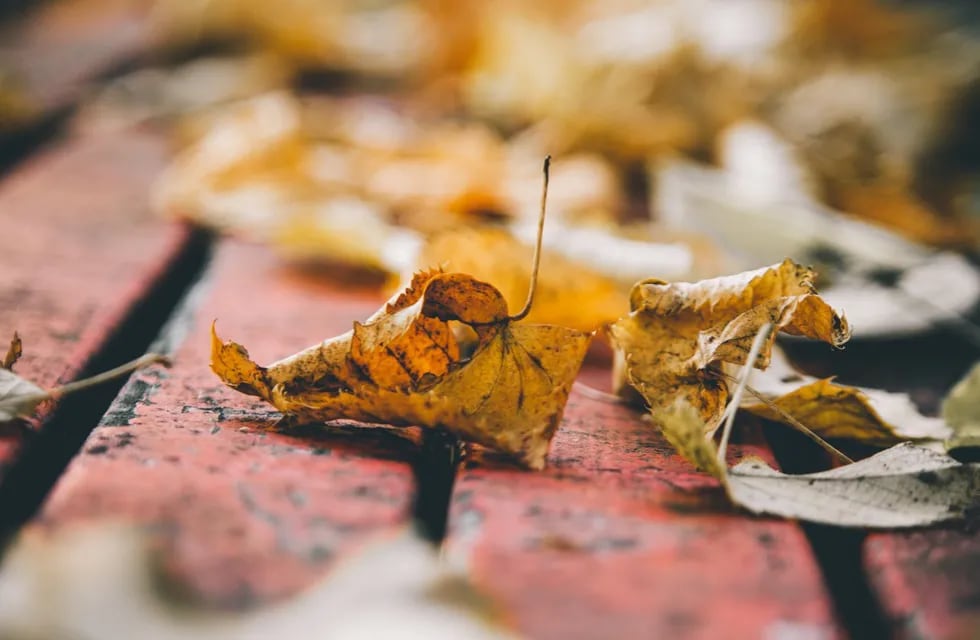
364	184
877	112
695	140
805	128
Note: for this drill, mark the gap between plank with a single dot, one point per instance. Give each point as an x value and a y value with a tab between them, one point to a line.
18	145
838	551
46	454
435	474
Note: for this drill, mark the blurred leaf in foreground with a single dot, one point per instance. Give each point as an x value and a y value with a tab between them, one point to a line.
60	585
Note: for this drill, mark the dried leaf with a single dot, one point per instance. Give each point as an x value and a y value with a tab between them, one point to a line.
683	427
13	353
677	336
19	398
835	411
961	410
404	366
904	486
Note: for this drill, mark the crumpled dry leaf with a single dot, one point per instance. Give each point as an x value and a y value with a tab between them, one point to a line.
961	410
404	366
836	411
677	336
59	585
904	486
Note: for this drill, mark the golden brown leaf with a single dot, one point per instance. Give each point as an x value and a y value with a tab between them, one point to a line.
677	336
403	367
835	411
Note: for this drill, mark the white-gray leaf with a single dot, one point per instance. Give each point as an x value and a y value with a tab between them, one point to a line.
18	397
904	486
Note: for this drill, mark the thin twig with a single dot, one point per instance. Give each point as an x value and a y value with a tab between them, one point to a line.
537	247
743	381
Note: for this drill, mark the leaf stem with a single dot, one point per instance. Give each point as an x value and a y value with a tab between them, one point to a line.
760	339
105	376
537	247
793	422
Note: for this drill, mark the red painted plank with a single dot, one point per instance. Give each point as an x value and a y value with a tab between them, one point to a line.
78	246
52	52
619	538
249	512
927	582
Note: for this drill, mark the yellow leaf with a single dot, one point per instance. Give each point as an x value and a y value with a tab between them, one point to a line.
403	367
677	336
961	410
683	428
836	411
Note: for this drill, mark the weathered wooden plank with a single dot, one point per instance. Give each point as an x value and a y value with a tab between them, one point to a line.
619	538
927	582
52	52
78	248
249	512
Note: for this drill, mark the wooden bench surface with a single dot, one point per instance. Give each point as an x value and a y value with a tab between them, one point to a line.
618	537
